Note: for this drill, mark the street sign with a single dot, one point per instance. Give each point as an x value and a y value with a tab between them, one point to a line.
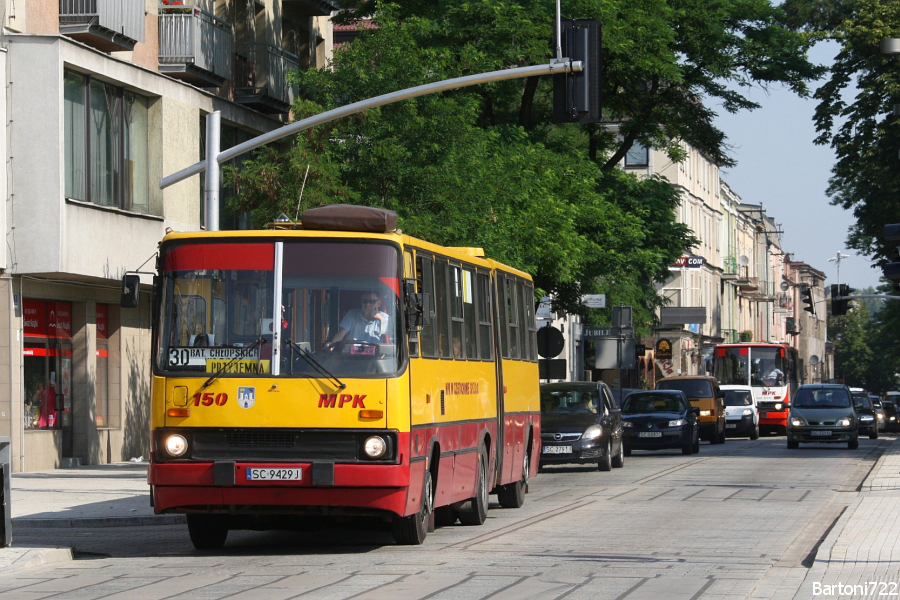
599	331
594	300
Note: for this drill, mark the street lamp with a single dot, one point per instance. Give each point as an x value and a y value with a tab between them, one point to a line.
837	259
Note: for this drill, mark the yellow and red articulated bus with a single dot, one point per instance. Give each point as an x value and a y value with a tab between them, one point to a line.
771	369
341	368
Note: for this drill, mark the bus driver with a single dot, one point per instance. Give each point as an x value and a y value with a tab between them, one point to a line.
365	324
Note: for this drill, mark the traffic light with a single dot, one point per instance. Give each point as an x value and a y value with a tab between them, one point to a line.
839	307
576	96
892	270
807	299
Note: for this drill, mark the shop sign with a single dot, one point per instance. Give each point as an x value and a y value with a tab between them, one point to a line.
663	349
689	262
47	319
102	312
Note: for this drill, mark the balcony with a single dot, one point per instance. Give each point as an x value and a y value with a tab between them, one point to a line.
107	25
194	46
260	81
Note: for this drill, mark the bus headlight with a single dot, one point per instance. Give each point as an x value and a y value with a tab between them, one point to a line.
176	445
375	447
778	406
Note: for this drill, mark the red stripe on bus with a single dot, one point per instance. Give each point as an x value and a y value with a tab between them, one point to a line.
240	257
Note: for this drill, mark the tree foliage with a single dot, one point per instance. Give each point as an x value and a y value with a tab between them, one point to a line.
859	128
485	166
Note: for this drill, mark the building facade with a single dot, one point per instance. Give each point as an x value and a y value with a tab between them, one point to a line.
103	99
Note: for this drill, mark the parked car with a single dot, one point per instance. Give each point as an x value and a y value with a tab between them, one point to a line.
868	423
823	413
704	393
581	423
741	414
659	419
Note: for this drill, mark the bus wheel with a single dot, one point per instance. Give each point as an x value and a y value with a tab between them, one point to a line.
411	530
208	532
512	495
474	511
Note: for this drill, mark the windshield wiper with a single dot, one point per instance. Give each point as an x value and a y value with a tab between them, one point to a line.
215	376
316	365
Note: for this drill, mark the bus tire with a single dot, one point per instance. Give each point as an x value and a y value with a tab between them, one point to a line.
512	495
411	530
208	532
474	511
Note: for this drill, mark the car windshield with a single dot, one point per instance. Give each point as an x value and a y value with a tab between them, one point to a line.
649	403
822	398
569	401
862	401
738	398
692	388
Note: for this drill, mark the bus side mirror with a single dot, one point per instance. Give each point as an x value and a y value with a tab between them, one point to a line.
418	312
131	289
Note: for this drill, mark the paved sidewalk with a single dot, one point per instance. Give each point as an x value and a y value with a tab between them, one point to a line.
114	495
860	557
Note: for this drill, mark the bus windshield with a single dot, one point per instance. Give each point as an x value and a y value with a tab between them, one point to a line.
761	367
338	303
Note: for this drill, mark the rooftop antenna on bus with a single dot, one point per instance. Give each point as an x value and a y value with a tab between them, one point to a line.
300	199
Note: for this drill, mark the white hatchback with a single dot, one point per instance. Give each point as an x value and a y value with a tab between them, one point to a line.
741	414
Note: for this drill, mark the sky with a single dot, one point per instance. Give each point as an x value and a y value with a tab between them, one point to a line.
780	167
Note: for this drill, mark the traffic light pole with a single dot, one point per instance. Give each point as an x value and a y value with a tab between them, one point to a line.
214	158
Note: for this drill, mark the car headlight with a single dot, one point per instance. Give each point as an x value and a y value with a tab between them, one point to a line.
592	432
375	447
866	418
880	416
778	406
176	445
677	423
797	422
627	424
747	412
844	422
705	413
893	418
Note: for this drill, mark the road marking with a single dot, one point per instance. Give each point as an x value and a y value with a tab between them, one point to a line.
521	525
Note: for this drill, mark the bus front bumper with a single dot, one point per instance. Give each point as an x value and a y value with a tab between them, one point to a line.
324	488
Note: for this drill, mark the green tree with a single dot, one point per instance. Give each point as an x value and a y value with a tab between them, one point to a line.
853	353
485	166
860	128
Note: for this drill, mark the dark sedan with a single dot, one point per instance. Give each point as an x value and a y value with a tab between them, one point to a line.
580	423
868	425
891	414
660	419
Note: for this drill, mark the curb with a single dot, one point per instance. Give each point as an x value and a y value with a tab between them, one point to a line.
34	557
26	523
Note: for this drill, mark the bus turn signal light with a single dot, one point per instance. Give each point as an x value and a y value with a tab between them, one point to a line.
371	414
179	412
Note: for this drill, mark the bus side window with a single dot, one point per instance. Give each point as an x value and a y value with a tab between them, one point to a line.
502	323
529	334
425	274
469	320
442	308
456	312
485	317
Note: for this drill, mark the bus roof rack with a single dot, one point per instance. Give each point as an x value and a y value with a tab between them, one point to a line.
348	217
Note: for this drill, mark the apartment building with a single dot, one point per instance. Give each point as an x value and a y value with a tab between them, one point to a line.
737	285
103	98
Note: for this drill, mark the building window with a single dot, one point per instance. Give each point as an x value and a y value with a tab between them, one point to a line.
47	358
637	156
106	148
